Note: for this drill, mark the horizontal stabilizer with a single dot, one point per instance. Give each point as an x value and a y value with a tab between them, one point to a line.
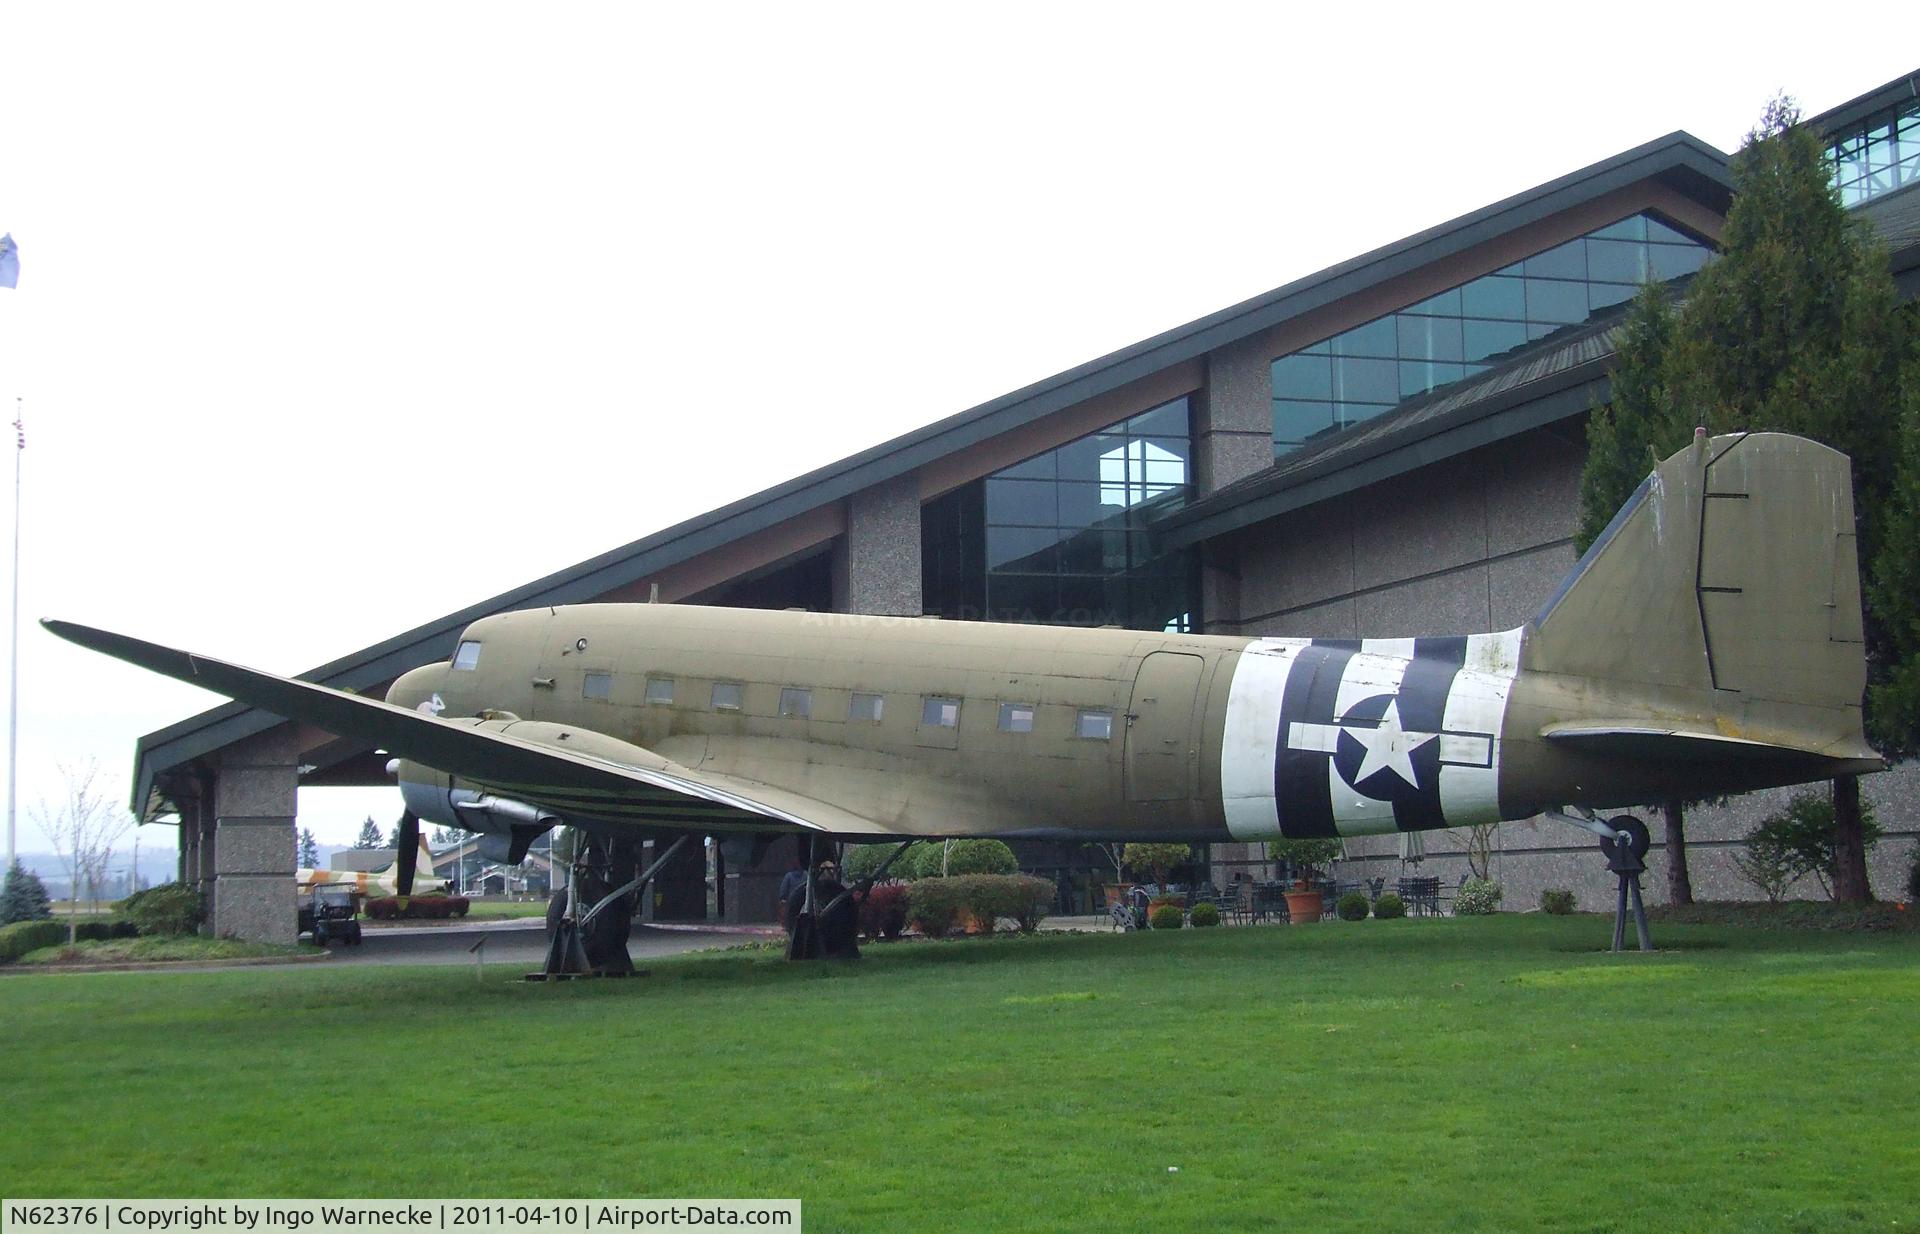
1631	741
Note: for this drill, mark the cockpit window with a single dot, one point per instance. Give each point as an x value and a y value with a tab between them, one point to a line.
467	655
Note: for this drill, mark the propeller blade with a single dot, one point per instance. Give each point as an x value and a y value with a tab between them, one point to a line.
409	855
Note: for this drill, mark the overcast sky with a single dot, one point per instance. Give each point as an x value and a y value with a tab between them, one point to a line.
333	319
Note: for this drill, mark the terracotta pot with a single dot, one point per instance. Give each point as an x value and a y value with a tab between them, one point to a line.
1304	906
1116	893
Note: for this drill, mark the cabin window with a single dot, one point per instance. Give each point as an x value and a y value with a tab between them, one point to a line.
467	656
1094	725
796	703
726	695
1016	718
940	712
660	691
598	685
866	707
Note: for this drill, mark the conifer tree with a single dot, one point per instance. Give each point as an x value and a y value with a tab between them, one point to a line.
24	897
307	855
370	836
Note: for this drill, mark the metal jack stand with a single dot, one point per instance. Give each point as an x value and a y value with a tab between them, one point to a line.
1626	857
567	953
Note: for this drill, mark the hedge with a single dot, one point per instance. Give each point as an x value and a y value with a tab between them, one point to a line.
1388	907
24	936
167	910
935	905
883	914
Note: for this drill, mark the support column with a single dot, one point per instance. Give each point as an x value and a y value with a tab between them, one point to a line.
1233	418
876	565
254	802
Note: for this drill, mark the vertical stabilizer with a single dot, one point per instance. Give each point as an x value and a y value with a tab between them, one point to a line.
1729	587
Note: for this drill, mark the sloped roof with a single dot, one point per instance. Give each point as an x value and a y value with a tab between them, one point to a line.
1678	160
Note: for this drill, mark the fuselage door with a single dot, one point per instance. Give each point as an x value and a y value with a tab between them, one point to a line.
1162	751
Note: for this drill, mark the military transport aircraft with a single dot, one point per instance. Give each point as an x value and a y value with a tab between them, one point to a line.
1709	642
383	882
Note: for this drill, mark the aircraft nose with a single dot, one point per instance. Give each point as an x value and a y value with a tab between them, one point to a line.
418	689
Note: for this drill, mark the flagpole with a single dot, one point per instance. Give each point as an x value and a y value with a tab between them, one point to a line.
13	671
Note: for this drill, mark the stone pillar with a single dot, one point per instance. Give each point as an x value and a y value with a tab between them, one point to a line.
1233	417
876	565
254	802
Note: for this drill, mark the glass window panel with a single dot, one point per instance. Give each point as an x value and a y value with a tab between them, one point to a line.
1616	261
1492	338
1556	301
597	685
1356	413
1094	551
1660	233
1606	295
1495	296
1163	460
1322	348
1367	381
1294	421
1093	600
1373	339
1080	460
869	707
1537	330
1039	468
1166	420
1083	505
1634	228
1417	376
1302	376
1030	550
1563	261
1094	725
796	703
1022	597
1446	304
1016	717
726	695
1670	261
938	712
1429	338
466	657
1021	501
660	690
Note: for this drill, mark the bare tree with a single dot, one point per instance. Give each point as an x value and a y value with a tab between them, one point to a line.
1480	849
83	826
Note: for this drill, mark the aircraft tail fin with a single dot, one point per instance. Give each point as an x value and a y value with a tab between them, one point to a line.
423	871
1729	585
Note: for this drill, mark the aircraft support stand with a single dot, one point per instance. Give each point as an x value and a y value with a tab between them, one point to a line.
1626	857
594	943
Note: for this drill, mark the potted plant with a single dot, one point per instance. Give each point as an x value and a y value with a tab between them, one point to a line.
1306	857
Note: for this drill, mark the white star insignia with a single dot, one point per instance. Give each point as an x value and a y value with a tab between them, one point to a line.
1389	746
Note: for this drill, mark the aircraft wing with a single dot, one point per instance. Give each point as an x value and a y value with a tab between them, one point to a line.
530	762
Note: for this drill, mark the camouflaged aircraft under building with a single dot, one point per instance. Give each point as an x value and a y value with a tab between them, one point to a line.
1709	642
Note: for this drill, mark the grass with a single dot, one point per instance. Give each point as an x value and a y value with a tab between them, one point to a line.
151	950
1456	1075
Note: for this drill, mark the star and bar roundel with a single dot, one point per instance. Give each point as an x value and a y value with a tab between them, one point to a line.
1343	737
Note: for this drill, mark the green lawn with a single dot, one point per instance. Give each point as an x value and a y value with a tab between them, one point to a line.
1483	1074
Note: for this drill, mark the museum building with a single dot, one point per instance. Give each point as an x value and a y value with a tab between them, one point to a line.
1389	446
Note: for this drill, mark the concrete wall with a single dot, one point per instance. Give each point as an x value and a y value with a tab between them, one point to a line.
254	804
1474	544
876	565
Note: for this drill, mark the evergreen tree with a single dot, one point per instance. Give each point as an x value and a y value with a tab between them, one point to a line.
307	854
1895	586
1794	328
370	835
24	897
1639	424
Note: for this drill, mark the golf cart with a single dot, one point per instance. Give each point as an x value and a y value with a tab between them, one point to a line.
331	914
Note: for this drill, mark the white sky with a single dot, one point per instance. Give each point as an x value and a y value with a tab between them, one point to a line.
335	318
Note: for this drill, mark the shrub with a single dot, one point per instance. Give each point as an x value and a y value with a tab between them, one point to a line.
883	914
101	931
1352	906
1389	907
1477	897
1032	899
961	857
933	906
1556	900
24	936
1157	860
1166	917
419	908
168	910
1204	915
863	859
1799	840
